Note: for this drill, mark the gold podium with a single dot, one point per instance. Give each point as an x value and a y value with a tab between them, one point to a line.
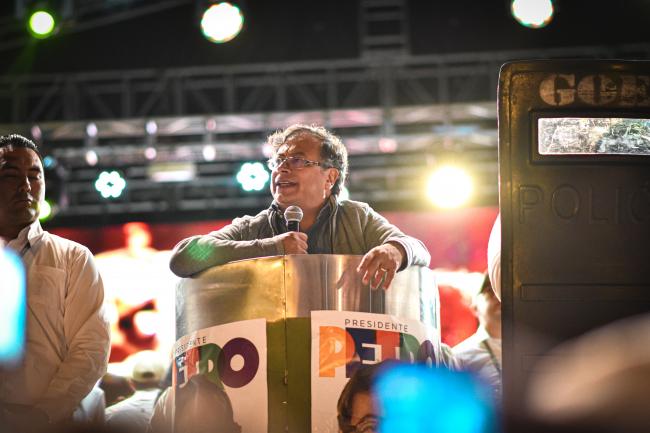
284	290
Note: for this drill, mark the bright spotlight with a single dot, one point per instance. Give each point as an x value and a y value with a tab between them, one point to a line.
147	322
252	176
151	127
267	150
221	22
387	145
110	184
37	133
449	187
209	153
150	153
45	211
92	158
211	125
91	130
41	24
532	13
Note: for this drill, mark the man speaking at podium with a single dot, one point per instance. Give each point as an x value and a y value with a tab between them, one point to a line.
308	169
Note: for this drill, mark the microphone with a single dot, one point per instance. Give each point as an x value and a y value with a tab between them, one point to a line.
293	216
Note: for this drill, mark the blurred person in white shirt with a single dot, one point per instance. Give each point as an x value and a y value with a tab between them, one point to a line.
133	413
67	338
481	352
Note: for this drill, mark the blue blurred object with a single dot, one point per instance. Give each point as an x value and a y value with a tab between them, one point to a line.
418	399
12	307
49	161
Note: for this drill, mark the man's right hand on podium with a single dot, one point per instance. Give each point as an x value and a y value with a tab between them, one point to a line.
293	242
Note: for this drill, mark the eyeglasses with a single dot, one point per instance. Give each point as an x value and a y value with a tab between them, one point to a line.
367	424
294	162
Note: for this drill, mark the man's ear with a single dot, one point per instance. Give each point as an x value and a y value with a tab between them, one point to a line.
332	176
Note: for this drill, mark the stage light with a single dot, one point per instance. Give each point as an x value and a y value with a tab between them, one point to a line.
110	184
221	22
252	176
172	171
91	130
146	322
209	153
211	125
37	133
267	150
532	13
449	187
92	158
45	211
41	24
150	153
387	145
49	162
151	127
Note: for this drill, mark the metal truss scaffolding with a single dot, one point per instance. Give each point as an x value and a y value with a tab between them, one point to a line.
400	116
315	85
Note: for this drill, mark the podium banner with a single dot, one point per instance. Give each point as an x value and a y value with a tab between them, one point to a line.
342	341
233	357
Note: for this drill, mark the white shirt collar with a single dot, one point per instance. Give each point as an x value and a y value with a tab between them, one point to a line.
482	334
32	234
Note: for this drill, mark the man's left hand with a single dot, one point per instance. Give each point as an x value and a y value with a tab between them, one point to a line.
380	264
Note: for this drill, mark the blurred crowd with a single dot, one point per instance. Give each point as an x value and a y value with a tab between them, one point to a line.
596	383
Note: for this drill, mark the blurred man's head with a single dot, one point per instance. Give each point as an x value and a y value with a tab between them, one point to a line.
488	309
22	185
600	380
203	407
357	408
148	369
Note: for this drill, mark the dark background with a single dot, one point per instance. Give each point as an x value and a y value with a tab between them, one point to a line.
291	30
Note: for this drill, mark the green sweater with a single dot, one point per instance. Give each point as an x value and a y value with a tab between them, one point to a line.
342	227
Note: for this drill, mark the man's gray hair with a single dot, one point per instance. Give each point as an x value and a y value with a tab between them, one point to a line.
333	151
